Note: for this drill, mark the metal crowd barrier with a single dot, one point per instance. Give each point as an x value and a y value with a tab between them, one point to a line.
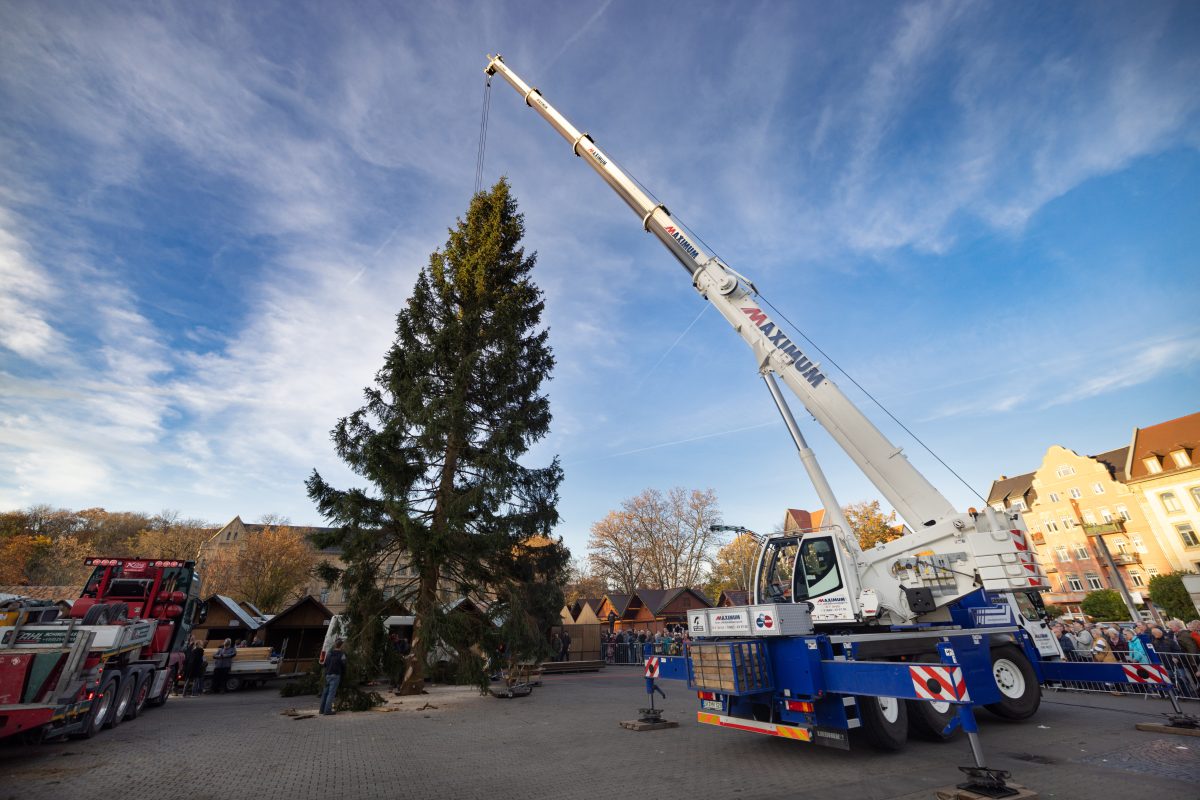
635	652
1183	669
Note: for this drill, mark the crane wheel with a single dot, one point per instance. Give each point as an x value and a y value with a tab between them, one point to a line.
141	694
101	706
118	612
1020	692
97	615
884	722
122	702
928	720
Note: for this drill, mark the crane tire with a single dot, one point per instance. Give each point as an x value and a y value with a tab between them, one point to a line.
118	612
928	720
121	704
98	614
141	694
884	722
101	707
1020	692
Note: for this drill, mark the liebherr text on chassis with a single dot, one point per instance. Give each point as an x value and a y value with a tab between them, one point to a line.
946	617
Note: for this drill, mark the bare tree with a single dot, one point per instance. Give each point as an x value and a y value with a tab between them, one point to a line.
657	541
614	551
734	566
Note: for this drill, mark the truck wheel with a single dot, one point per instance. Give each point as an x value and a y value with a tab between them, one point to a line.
101	705
141	694
884	722
118	612
233	683
97	615
1020	693
121	705
927	720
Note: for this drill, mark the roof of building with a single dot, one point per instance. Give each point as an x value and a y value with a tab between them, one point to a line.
1182	433
237	611
619	601
799	519
1115	461
1005	487
308	599
736	597
68	593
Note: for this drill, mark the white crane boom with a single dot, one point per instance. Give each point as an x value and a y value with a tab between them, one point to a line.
909	492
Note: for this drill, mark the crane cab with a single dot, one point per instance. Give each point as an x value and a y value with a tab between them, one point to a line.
809	567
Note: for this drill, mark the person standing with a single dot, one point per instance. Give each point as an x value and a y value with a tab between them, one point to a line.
194	666
335	668
222	662
566	646
556	646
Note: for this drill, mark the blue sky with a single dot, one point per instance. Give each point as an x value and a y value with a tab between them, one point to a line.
209	215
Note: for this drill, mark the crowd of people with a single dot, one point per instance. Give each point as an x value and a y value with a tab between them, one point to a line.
1177	645
628	646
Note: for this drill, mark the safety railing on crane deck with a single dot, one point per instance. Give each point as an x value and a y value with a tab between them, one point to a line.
1183	670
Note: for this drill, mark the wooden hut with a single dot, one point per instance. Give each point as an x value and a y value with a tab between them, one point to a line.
655	609
226	620
298	632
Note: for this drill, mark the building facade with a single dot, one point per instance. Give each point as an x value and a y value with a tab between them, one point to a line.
1165	477
1075	506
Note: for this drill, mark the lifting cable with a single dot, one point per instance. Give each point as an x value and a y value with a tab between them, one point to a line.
870	396
483	126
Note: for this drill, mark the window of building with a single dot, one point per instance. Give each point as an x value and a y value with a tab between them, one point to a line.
1123	513
1093	581
325	595
1195	491
1074	582
1136	578
1081	552
1181	458
1075	493
1097	488
1064	471
1054	498
228	535
1188	534
1106	515
1061	554
1089	518
1151	571
1153	465
998	506
1068	522
1170	502
1122	546
1137	544
1019	505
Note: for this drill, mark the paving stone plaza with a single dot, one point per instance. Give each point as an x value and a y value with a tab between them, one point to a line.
564	742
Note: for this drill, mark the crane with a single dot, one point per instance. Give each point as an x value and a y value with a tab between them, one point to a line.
946	555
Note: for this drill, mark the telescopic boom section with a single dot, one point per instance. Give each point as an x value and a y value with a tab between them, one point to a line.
908	491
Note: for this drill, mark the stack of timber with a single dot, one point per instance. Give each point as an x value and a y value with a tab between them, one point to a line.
560	667
729	667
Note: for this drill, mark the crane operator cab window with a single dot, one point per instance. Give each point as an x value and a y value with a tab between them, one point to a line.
817	568
776	570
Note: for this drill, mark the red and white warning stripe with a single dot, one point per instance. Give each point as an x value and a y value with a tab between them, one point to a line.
652	667
1019	540
939	683
1145	673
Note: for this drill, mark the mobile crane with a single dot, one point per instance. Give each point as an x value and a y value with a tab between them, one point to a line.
119	650
945	617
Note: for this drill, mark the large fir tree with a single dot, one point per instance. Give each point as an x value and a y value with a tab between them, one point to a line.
451	511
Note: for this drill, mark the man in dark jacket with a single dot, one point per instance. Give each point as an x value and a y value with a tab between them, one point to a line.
193	671
222	663
335	668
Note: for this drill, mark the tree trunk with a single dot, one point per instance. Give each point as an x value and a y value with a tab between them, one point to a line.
414	671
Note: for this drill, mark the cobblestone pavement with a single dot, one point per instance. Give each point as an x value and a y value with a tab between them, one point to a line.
563	742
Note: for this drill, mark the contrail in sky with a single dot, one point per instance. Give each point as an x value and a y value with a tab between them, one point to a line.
573	37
